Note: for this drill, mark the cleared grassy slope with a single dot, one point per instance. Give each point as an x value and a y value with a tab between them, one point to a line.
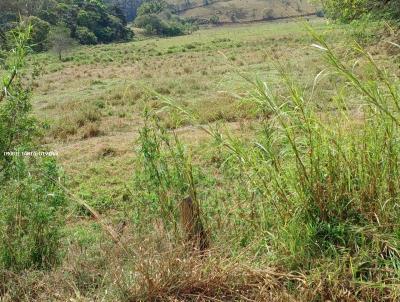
242	10
93	100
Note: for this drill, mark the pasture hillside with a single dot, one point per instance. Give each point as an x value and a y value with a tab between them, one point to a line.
242	10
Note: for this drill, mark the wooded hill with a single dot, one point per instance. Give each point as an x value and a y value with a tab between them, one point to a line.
89	22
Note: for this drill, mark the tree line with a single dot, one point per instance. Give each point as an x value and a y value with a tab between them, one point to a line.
129	7
86	21
157	18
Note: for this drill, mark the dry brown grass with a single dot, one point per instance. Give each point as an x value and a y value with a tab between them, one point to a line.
176	278
154	268
239	11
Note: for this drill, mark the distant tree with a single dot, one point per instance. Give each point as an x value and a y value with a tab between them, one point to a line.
118	12
85	36
84	18
155	17
60	40
128	7
269	14
151	7
214	19
39	33
152	23
155	25
97	20
236	13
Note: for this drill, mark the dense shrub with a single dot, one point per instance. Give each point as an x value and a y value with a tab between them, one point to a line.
115	31
17	126
154	17
85	36
96	18
106	22
154	24
214	19
345	10
39	34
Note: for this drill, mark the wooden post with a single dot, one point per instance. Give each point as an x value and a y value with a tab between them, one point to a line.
192	224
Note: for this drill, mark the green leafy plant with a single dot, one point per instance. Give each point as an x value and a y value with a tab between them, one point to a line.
31	202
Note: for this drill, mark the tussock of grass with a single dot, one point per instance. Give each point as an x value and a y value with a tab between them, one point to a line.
173	276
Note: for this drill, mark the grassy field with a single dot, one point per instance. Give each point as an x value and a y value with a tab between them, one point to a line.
289	150
94	101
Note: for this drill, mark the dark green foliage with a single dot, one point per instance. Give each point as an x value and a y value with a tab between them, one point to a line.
151	7
39	34
320	13
86	19
390	9
154	17
116	11
85	36
155	25
115	31
128	8
214	19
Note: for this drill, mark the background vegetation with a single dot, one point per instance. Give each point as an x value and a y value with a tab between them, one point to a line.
155	18
89	22
354	9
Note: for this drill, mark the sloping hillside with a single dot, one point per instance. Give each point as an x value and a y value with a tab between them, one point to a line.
240	10
226	11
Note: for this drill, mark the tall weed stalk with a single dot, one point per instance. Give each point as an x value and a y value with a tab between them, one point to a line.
165	175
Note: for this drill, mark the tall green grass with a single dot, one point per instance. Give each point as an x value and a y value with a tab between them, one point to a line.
315	188
165	175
